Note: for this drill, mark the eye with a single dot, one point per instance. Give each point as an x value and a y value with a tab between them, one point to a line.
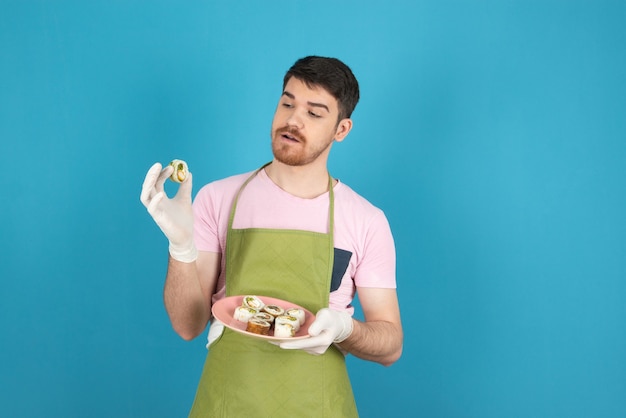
315	115
287	105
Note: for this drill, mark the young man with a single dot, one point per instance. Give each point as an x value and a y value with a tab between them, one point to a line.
288	230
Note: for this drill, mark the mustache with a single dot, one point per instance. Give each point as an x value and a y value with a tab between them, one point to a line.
295	132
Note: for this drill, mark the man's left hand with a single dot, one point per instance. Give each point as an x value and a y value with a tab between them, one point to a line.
329	327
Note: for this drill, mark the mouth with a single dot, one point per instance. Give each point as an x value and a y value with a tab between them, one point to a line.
290	136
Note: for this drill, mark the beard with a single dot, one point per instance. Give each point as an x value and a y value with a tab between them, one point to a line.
298	152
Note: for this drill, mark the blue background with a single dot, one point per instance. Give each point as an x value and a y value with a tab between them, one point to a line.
492	133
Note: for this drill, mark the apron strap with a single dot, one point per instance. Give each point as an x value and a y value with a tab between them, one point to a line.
331	224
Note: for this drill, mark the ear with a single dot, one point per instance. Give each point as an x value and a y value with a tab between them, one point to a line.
343	129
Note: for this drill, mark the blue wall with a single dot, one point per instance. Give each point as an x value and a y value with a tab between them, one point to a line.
491	132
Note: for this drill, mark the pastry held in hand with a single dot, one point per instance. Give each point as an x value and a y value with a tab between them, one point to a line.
180	171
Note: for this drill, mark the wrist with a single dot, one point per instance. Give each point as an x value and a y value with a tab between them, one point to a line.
184	253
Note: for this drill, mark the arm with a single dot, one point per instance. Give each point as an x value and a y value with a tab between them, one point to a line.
188	291
191	275
380	337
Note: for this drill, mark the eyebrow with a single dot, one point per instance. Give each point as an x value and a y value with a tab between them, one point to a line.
312	104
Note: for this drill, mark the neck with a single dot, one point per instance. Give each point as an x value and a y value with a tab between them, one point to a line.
306	182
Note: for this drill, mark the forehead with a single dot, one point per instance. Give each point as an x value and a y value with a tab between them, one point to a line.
300	91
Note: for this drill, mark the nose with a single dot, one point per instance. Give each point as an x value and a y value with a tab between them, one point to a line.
294	120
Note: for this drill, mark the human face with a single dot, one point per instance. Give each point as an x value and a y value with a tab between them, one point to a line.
305	124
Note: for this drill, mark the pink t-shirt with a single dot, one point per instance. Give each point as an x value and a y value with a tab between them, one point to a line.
362	234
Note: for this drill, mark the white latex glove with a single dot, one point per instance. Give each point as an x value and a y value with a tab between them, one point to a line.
174	216
215	330
329	327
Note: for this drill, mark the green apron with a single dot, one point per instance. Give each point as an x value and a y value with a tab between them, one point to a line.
249	377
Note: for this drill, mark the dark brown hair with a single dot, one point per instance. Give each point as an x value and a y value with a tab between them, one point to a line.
332	75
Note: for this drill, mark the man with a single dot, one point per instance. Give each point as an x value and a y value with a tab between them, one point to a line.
288	230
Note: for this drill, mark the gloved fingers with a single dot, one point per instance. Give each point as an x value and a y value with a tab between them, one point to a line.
184	191
154	203
323	320
149	182
321	342
316	328
164	175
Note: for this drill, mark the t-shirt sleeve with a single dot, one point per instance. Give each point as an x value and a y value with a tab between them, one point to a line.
377	265
206	228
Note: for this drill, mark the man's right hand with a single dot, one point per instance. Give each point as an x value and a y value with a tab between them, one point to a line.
174	216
